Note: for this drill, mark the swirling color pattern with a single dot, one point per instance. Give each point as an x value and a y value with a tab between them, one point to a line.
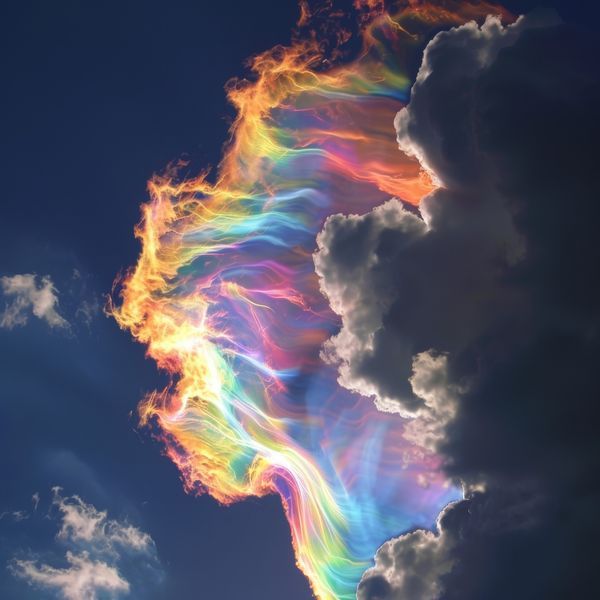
226	298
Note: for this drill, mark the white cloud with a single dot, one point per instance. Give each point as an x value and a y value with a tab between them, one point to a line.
26	296
417	565
81	580
82	522
98	547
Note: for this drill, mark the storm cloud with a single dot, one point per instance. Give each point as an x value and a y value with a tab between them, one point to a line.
476	317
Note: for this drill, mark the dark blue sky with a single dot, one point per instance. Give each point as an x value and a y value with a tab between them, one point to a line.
96	97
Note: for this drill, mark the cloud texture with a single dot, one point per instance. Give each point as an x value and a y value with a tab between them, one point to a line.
477	318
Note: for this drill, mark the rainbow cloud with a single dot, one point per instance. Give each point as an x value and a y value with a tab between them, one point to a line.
226	298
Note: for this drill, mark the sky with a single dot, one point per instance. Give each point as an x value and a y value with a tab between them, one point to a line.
96	100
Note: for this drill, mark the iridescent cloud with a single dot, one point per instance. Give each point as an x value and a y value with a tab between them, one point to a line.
226	298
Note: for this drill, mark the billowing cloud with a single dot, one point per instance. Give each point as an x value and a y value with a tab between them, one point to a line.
410	566
408	283
28	295
97	550
362	290
477	318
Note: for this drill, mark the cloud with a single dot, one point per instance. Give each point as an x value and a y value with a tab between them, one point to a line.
448	150
420	564
82	522
407	283
21	515
82	579
430	382
98	549
410	566
361	290
477	317
25	297
15	515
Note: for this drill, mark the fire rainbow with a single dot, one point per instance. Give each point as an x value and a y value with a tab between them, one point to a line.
226	299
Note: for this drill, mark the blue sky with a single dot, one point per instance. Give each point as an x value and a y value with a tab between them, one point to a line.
96	98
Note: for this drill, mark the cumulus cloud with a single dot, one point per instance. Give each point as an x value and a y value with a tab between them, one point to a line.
477	317
27	296
97	549
408	283
459	57
358	285
410	566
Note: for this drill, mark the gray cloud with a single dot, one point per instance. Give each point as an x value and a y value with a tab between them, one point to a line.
359	288
420	564
476	317
410	566
405	283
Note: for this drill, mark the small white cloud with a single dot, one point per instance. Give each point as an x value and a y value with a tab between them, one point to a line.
82	522
98	548
82	579
361	290
15	515
27	296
